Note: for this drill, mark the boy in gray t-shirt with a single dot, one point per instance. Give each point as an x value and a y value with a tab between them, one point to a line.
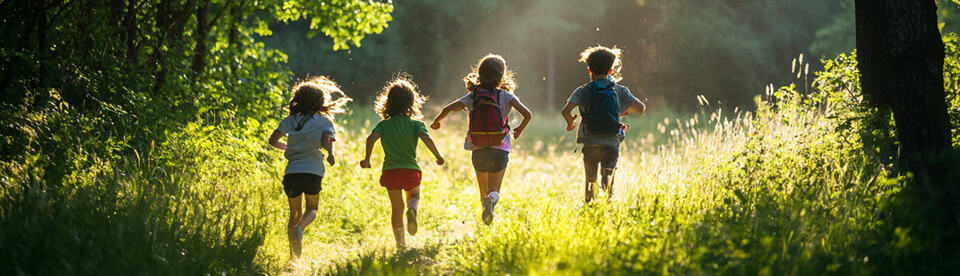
604	65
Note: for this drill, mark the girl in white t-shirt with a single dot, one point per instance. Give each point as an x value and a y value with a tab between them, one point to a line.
490	77
308	128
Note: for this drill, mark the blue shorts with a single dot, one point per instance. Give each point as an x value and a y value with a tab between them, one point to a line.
490	160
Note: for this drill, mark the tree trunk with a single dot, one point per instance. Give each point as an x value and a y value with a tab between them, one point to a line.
130	31
901	65
203	29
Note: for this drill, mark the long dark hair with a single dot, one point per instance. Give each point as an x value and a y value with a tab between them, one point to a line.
318	95
491	73
400	97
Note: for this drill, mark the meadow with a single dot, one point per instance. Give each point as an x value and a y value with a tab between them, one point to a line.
795	185
755	193
133	140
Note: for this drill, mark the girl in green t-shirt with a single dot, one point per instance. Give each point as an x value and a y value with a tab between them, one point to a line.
399	105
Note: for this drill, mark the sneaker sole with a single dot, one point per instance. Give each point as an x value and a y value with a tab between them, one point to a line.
487	215
411	222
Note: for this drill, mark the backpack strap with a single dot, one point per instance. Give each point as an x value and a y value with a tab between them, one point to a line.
302	123
595	86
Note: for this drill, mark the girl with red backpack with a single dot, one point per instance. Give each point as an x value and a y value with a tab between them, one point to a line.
489	100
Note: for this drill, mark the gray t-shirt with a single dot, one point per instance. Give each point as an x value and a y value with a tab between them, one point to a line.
303	146
624	97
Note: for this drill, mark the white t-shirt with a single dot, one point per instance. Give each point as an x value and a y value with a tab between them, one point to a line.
303	145
505	99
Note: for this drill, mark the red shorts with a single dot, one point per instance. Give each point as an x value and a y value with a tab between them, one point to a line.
406	179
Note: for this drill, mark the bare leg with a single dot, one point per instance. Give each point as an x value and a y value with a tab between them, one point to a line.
396	216
311	213
590	165
494	180
588	190
606	176
292	234
590	183
483	181
413	193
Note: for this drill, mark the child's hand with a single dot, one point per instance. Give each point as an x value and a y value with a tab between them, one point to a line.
570	125
331	160
439	161
365	163
435	125
516	132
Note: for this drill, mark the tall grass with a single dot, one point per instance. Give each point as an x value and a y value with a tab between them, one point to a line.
793	186
184	206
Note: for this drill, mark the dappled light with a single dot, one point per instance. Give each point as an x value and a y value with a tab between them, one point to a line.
175	137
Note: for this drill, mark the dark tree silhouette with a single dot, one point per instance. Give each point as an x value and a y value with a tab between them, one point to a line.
901	64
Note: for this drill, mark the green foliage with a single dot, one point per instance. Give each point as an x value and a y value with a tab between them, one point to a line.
839	36
189	205
342	20
116	117
675	50
121	160
951	82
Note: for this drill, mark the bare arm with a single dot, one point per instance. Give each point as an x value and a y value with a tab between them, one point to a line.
567	117
326	142
638	108
371	140
525	112
432	147
275	140
451	107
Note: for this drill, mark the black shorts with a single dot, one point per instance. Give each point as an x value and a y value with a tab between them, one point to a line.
490	160
603	155
295	184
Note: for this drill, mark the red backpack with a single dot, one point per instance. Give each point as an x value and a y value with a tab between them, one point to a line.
488	126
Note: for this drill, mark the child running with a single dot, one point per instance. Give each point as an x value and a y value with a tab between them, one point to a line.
489	100
602	102
399	105
308	129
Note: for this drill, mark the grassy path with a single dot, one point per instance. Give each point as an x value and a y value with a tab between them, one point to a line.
751	197
542	188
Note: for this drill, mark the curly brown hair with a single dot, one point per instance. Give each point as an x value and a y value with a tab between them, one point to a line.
318	95
601	60
491	73
400	98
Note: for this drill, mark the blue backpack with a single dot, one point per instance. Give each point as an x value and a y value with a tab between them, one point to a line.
601	117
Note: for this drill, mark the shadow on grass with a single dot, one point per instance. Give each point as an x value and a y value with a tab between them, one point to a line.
413	261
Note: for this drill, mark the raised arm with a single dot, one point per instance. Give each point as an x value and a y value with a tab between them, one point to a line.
525	112
451	107
432	147
371	140
275	140
567	117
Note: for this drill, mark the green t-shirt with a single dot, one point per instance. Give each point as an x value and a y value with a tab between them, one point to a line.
399	136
